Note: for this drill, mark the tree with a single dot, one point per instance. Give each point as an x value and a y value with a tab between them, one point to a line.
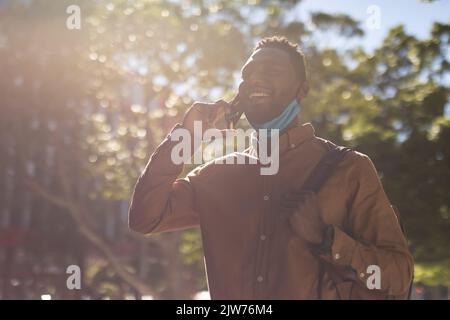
82	110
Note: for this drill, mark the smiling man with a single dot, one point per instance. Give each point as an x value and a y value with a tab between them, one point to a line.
266	236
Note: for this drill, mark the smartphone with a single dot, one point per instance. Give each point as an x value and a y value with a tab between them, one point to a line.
237	107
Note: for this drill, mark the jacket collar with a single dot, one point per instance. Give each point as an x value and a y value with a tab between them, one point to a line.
288	140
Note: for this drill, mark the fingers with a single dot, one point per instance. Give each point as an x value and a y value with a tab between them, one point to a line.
288	208
291	201
212	112
297	199
311	200
299	196
221	108
290	204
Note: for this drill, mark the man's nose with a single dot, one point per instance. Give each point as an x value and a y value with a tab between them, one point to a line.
258	82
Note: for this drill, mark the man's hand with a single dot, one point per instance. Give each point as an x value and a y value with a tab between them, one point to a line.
304	216
207	113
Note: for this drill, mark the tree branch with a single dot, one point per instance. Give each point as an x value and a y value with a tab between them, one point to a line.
77	214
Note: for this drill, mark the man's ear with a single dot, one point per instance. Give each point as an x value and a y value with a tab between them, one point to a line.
303	90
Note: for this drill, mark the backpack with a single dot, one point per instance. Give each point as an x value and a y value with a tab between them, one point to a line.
315	181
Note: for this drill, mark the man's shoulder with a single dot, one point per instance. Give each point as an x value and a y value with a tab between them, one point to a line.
353	160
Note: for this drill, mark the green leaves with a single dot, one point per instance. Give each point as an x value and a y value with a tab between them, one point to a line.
114	89
343	24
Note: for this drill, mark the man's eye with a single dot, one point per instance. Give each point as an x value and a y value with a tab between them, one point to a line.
248	70
271	71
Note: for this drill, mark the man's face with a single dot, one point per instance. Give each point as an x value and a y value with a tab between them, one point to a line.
270	84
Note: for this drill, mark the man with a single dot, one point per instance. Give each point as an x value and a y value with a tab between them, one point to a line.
260	233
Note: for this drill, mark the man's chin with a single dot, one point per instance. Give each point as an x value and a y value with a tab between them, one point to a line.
258	116
258	109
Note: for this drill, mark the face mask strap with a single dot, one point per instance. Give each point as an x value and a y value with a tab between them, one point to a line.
283	120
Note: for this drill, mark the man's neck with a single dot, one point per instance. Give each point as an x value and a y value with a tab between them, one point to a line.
291	125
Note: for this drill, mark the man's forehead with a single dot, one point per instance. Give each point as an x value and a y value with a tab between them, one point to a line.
272	55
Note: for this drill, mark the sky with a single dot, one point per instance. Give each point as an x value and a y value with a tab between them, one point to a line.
417	16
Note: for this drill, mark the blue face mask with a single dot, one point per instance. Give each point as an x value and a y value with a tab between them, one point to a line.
282	121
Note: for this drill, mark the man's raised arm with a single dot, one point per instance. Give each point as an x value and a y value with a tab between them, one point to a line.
160	201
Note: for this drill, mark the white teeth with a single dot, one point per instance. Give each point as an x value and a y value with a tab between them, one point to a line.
258	94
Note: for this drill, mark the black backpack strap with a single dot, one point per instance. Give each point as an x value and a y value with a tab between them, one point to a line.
324	168
317	179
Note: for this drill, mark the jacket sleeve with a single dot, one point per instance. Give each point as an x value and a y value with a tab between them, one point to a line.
376	240
160	201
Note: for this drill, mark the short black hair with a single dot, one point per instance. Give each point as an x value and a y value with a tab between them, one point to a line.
295	53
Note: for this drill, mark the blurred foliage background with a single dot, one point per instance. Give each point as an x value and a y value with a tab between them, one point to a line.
82	110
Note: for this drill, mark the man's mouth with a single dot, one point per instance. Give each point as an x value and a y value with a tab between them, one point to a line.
259	93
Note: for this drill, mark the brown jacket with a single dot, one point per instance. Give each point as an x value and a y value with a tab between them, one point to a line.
250	251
